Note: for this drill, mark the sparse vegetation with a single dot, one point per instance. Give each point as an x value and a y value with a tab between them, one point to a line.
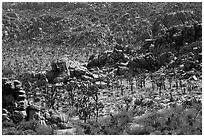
111	98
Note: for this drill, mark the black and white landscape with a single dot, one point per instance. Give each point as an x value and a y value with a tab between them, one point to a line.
103	68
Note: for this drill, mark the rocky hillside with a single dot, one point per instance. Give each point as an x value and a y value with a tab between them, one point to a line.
102	68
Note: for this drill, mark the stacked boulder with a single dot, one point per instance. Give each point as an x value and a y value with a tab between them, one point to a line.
14	100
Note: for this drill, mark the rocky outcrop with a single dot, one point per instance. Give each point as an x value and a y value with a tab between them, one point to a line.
14	99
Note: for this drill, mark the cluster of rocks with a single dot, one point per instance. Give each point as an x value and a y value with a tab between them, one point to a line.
14	102
17	108
65	71
171	19
172	46
120	54
174	38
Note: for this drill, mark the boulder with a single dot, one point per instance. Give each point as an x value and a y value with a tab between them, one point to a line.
21	92
33	112
21	105
5	111
18	116
60	65
21	97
